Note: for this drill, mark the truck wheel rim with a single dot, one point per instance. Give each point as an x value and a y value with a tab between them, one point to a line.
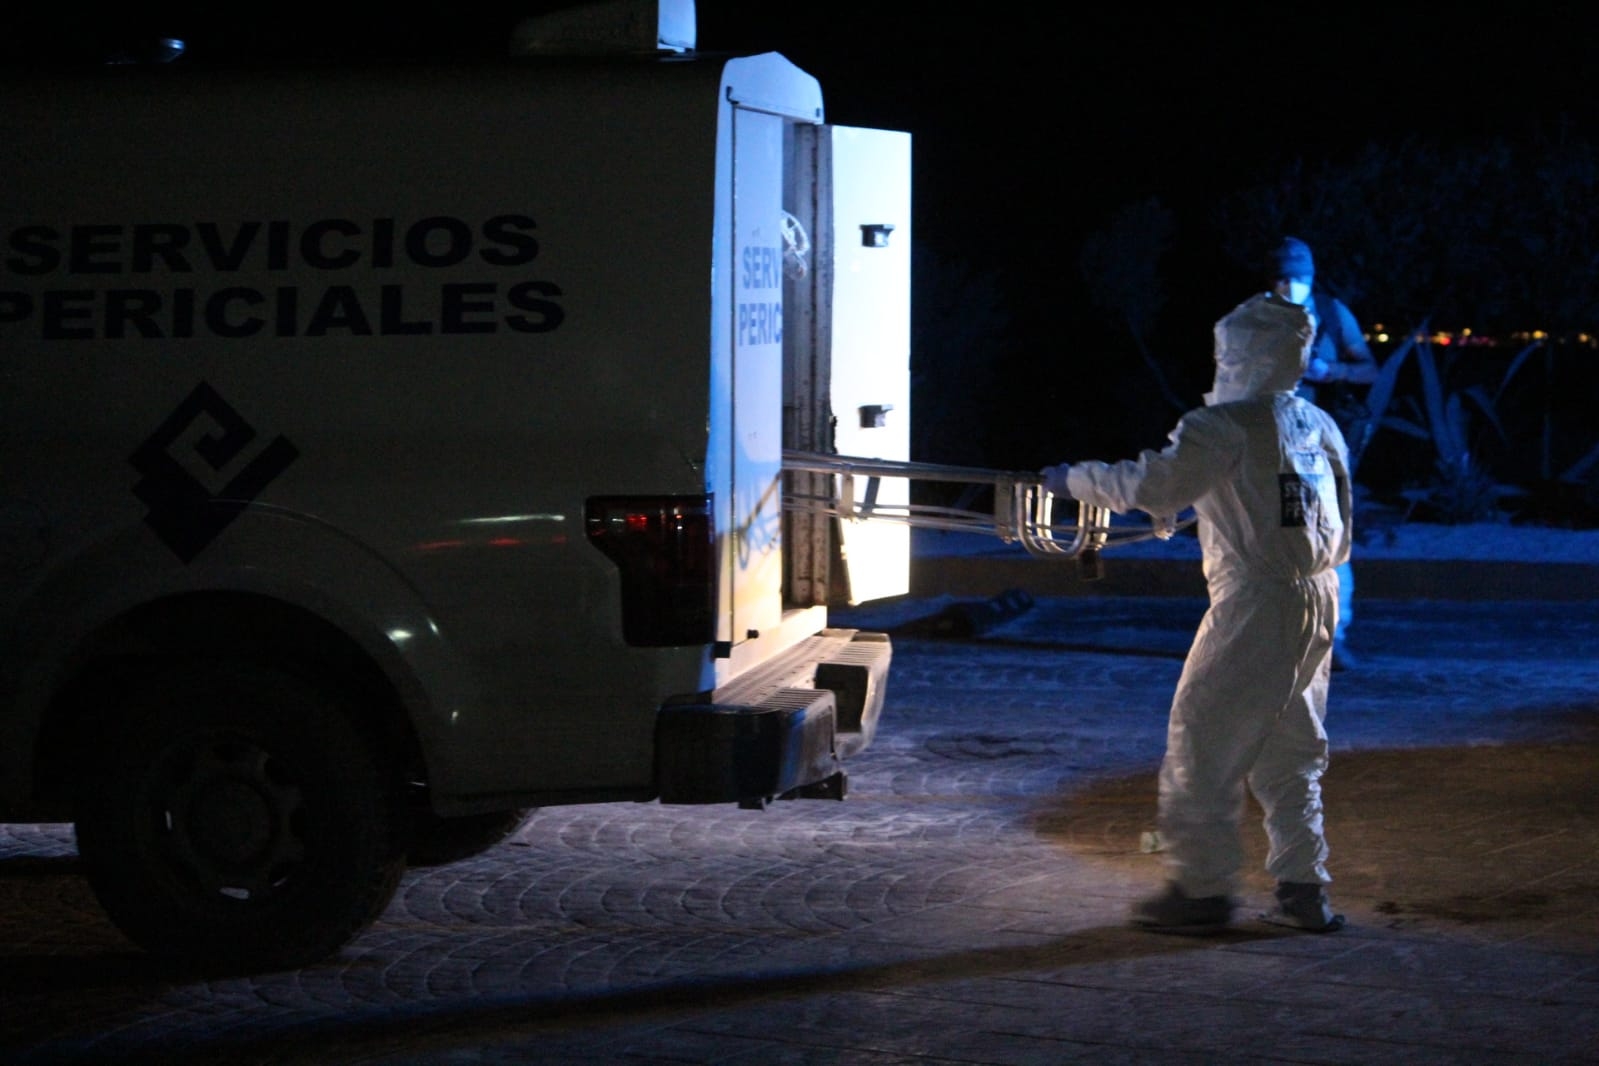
230	816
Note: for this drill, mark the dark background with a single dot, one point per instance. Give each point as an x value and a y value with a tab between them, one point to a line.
1036	126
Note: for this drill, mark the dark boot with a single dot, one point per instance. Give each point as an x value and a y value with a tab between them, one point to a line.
1174	911
1304	906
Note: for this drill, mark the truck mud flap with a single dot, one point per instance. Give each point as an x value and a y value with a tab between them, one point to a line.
782	731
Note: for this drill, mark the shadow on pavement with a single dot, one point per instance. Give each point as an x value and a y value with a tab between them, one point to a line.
443	1024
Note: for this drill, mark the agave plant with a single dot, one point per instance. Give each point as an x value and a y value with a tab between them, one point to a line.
1461	489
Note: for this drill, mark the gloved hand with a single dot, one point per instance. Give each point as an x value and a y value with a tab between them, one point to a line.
1055	478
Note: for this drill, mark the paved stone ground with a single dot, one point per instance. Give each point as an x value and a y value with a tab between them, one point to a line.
966	903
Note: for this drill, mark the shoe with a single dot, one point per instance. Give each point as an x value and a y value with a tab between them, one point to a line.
1302	905
1344	659
1173	911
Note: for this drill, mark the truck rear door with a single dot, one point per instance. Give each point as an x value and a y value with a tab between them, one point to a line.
867	175
820	342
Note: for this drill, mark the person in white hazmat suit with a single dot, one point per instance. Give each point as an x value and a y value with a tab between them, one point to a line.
1266	473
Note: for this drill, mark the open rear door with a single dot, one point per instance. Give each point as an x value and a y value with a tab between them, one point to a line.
869	247
846	352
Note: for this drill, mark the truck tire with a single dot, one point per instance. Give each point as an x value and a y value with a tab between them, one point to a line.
439	841
233	815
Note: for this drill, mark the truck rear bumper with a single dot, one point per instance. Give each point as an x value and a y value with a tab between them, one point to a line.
782	728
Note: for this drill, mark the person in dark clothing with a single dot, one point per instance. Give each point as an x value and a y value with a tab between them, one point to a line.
1340	371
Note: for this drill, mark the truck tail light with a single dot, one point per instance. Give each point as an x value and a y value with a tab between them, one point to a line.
664	548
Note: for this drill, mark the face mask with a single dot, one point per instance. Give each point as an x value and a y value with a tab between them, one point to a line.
1298	292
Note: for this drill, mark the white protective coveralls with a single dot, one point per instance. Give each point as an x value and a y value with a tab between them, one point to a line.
1266	473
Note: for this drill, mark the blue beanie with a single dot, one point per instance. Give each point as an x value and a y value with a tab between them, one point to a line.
1291	259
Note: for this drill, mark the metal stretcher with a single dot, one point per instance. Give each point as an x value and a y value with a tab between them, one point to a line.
1023	510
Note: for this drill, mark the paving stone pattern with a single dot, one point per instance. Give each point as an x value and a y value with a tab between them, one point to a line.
966	903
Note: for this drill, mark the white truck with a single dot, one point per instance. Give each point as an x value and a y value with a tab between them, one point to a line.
390	449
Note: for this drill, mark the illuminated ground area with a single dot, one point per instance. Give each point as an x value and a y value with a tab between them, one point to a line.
1525	813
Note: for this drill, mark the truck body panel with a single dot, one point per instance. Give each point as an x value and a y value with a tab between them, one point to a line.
368	343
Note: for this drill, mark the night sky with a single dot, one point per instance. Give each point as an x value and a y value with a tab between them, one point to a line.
1066	114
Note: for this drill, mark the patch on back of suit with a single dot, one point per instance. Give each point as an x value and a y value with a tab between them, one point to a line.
1299	500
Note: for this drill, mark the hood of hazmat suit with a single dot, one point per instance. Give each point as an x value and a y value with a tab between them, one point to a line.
1262	345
